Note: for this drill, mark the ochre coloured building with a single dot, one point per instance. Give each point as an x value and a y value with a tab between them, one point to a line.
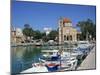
67	32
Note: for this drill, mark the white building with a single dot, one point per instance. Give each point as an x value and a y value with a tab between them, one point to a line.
19	32
47	30
16	35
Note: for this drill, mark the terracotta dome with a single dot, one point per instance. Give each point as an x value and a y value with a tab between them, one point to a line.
66	20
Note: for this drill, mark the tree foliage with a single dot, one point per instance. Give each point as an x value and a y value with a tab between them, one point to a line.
28	31
37	34
87	27
53	34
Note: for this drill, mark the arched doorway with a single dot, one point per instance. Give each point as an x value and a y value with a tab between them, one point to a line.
69	37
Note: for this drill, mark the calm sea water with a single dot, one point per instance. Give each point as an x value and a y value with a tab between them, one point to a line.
22	57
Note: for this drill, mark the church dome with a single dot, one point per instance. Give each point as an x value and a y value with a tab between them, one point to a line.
66	20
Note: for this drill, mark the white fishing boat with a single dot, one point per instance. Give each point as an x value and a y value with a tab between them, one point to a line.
62	64
54	53
85	47
83	44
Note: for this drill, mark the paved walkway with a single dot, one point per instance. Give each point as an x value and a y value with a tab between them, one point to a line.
89	62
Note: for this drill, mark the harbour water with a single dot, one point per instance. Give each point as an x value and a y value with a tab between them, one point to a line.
23	57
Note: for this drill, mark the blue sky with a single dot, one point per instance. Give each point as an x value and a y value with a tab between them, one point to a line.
40	15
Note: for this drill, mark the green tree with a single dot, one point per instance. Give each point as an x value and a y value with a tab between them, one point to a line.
28	31
87	28
44	37
53	34
37	34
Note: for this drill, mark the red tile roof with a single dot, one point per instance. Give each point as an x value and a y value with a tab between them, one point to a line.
66	20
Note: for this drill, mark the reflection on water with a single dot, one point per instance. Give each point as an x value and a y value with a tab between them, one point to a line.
22	57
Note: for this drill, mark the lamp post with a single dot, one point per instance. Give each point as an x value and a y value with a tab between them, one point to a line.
87	36
69	40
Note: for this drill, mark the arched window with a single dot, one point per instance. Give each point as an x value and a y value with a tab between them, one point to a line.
65	37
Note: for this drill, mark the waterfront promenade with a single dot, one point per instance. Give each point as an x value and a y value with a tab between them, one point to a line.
89	62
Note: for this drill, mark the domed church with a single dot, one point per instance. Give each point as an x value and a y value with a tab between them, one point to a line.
66	31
